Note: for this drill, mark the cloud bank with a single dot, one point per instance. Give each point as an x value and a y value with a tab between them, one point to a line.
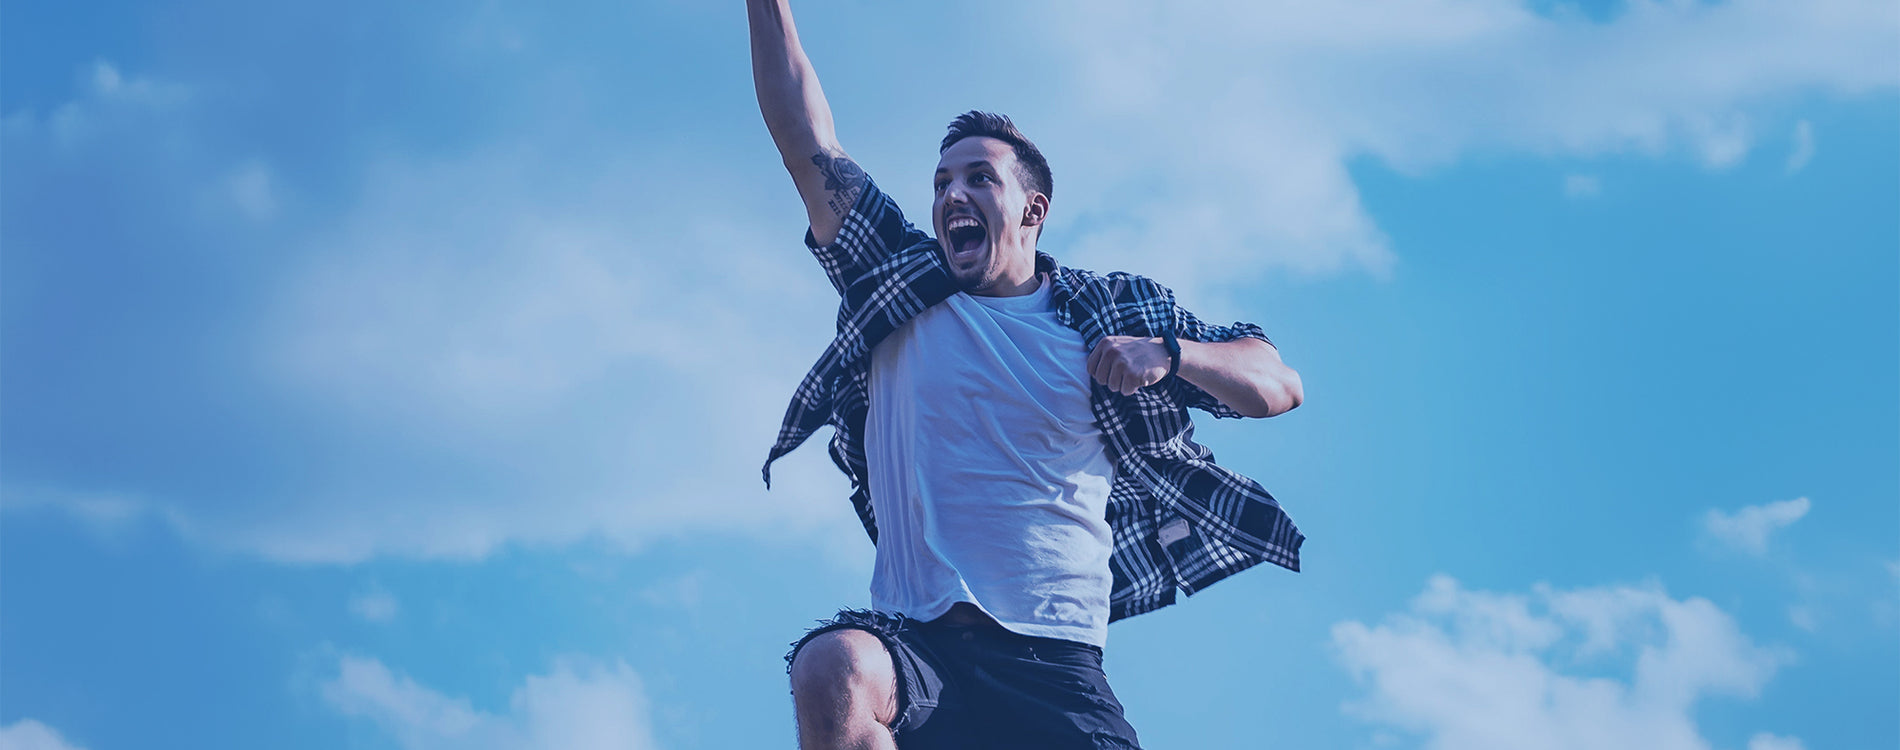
1599	668
576	706
1243	119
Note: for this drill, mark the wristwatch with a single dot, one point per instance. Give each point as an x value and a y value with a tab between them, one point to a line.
1174	351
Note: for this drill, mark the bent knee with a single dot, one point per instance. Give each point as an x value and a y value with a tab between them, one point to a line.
845	665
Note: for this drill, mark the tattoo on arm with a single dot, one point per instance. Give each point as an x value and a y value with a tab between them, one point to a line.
843	177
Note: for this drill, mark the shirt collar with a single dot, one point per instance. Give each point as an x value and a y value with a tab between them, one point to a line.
1062	292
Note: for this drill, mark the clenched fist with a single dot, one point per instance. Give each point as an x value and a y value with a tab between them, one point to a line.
1128	363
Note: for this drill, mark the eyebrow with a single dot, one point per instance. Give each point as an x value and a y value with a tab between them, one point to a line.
971	165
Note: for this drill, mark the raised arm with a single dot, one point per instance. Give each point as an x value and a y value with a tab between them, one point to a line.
800	120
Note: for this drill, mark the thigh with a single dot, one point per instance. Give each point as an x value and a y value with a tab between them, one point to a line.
929	715
1049	693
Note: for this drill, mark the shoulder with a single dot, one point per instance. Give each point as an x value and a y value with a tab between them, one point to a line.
1116	286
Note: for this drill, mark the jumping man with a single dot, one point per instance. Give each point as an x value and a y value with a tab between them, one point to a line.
1017	436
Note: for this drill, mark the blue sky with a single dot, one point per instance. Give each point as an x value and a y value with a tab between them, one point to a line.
397	375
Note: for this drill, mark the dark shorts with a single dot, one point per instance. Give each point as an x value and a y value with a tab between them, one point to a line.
971	686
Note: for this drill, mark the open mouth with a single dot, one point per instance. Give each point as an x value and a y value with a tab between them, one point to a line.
966	237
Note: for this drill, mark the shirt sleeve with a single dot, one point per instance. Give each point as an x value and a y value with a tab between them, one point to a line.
1190	328
873	230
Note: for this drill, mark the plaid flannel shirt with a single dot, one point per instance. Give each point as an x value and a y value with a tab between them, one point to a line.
1179	519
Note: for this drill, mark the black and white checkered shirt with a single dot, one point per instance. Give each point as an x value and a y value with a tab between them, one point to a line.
1179	519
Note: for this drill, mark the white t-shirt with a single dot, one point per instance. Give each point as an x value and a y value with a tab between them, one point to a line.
988	472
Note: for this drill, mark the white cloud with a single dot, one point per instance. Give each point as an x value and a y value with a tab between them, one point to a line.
593	352
1582	186
1766	741
1803	150
497	302
1239	118
375	605
27	734
576	706
1721	142
1748	529
1473	670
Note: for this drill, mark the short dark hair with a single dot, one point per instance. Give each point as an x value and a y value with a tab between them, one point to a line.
1033	169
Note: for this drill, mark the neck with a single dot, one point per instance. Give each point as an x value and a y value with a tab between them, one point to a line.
1021	288
1027	281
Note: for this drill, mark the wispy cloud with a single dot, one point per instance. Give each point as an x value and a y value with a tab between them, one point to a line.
375	605
108	97
28	734
110	515
1802	616
1803	147
1748	529
251	189
685	591
1766	741
576	706
103	510
1582	186
1474	670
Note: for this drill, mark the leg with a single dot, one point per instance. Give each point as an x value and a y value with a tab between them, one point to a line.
844	689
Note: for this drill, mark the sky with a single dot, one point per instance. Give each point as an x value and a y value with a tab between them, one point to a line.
397	375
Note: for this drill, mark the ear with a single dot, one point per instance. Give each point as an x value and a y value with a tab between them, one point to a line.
1036	210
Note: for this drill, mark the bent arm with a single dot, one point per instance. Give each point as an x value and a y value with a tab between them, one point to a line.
800	120
1246	374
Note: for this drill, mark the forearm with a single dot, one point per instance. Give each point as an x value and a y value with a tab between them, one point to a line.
1245	374
789	95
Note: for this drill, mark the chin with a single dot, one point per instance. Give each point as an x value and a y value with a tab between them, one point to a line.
974	279
978	279
970	283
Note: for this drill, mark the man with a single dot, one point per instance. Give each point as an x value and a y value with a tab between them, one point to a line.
1017	436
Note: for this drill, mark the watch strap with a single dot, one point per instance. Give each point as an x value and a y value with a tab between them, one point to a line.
1174	351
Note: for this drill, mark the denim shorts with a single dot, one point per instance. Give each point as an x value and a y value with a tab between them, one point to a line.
981	686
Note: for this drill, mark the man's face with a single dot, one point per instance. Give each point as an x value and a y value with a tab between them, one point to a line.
985	219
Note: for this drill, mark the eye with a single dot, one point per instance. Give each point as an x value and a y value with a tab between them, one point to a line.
940	184
981	177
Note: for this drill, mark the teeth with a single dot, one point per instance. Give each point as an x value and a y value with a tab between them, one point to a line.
961	222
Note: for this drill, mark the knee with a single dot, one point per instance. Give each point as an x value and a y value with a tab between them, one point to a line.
847	666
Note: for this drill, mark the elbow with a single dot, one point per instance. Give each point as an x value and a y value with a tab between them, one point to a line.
1280	393
1295	391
